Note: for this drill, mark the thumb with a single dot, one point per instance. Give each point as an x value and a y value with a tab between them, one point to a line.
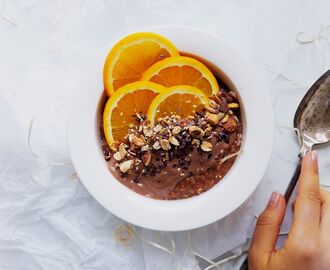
268	228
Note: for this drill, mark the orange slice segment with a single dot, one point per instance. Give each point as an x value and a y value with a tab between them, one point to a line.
132	56
182	70
181	100
121	108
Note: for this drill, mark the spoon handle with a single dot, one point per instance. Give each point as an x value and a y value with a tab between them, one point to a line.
293	182
245	265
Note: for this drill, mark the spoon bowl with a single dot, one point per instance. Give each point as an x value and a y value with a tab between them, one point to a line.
312	118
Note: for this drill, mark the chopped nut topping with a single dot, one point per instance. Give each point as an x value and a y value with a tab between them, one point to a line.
221	115
165	144
174	141
196	142
131	137
176	130
156	145
214	118
206	146
196	132
233	105
147	132
225	119
117	156
158	128
122	150
146	158
131	152
230	125
213	104
145	148
233	94
208	131
211	110
125	166
138	141
163	130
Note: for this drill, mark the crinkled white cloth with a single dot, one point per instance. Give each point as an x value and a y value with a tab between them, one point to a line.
47	218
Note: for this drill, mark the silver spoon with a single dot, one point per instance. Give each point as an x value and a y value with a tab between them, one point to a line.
312	122
312	125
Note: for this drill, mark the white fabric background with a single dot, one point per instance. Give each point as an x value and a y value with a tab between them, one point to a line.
47	218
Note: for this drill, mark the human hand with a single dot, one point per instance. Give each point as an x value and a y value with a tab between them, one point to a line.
308	243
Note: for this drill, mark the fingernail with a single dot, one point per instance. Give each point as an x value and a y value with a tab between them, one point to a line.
314	155
274	199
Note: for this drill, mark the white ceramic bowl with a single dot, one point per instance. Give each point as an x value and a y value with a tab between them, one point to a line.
219	201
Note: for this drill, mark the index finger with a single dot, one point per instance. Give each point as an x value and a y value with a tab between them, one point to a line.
306	218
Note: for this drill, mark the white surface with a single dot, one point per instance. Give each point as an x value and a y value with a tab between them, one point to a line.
179	215
47	219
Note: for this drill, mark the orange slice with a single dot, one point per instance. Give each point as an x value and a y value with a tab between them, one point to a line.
182	70
181	100
121	108
132	56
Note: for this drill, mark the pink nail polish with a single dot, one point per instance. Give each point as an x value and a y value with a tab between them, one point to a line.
274	199
314	155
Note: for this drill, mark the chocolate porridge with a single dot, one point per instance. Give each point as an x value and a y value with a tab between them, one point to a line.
178	157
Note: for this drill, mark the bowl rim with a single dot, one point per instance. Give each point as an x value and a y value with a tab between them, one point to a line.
197	211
